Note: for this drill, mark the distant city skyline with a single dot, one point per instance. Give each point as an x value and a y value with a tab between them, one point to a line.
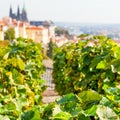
87	11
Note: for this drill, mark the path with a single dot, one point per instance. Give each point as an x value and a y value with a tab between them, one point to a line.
49	95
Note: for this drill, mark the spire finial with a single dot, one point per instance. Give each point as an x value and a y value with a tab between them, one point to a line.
10	12
18	13
24	6
24	13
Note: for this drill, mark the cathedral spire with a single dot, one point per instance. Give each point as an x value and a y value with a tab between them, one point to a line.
24	14
19	16
18	13
10	12
23	9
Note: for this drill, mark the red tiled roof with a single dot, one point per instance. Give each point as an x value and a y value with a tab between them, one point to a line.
35	28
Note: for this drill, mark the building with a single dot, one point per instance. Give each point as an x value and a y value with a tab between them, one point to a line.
47	24
39	34
39	31
1	30
19	16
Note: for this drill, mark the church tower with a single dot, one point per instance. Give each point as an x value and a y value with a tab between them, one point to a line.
24	14
19	16
18	13
10	12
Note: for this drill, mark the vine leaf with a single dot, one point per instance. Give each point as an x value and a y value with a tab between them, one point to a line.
101	64
106	113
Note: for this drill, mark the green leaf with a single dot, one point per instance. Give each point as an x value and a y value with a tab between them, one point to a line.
9	109
62	116
38	99
27	115
91	111
67	98
112	90
106	102
90	95
116	51
83	117
36	114
21	64
94	62
48	111
5	57
16	77
21	89
101	65
89	98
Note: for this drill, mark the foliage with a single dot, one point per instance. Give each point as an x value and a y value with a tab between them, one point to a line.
87	65
87	105
20	70
10	34
90	69
89	74
62	31
51	49
83	36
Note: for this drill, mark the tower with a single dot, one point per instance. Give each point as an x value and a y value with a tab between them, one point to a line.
24	14
19	16
18	13
10	12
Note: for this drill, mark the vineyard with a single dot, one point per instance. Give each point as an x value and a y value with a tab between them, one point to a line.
86	75
88	72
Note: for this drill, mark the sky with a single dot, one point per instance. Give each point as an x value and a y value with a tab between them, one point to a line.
87	11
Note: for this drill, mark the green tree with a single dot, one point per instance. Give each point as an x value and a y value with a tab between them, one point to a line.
51	49
10	34
83	36
61	31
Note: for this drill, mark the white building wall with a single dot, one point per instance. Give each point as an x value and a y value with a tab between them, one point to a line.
16	32
45	37
51	31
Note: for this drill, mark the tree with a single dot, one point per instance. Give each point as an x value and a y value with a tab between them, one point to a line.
10	34
51	49
62	31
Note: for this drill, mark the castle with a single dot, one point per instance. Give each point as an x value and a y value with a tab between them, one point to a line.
39	31
19	16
